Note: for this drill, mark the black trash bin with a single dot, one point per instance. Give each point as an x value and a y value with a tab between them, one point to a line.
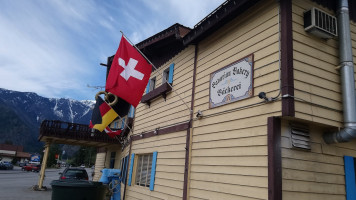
78	190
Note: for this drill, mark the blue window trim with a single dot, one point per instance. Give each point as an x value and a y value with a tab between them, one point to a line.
132	112
350	178
148	86
170	75
153	170
131	168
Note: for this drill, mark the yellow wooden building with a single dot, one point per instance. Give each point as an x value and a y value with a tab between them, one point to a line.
261	106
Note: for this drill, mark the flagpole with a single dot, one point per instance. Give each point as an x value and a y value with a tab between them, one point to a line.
173	90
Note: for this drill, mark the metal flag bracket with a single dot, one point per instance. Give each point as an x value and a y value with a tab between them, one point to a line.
107	94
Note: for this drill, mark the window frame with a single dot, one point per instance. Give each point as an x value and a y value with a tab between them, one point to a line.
152	84
124	166
137	176
165	75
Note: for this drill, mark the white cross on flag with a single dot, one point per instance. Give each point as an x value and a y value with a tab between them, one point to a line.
129	74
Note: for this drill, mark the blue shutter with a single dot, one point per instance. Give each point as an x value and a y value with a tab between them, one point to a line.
350	178
132	112
153	170
148	87
170	76
131	167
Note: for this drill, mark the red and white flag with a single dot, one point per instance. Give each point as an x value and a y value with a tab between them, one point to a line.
111	133
129	74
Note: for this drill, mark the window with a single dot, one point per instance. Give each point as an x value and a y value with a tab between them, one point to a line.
151	85
123	123
168	74
112	159
143	170
165	75
124	165
116	124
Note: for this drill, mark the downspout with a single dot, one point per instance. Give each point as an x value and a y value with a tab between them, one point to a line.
189	137
348	133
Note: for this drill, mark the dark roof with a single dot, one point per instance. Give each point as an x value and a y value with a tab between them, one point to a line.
176	31
11	147
232	8
23	155
216	19
164	45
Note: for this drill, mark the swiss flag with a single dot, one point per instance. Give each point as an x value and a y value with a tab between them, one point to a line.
129	74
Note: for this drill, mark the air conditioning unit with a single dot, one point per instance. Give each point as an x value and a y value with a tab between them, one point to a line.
320	24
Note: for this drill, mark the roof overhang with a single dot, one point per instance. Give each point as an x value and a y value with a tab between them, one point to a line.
73	134
218	18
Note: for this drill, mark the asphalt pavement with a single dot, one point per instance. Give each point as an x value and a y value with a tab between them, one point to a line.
17	184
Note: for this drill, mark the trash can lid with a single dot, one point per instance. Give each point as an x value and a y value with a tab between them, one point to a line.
114	172
76	183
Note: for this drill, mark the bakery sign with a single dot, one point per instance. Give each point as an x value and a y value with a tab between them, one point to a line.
232	83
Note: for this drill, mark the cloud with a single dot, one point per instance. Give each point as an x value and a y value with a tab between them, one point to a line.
54	47
186	12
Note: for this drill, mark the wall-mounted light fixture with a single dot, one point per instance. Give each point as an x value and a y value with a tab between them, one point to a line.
262	95
199	114
156	131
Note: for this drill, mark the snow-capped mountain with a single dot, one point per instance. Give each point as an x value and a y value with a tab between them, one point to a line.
21	114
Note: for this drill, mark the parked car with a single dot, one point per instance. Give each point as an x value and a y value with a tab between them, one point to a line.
31	167
8	165
22	164
74	173
2	165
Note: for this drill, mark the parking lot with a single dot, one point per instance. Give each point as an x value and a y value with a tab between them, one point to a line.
17	184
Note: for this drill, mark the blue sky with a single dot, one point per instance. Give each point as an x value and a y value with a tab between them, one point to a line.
54	47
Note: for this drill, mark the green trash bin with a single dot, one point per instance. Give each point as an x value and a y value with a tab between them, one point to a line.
78	190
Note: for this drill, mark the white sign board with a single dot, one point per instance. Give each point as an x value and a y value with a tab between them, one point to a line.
232	83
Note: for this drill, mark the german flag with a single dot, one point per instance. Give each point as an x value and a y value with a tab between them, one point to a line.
102	115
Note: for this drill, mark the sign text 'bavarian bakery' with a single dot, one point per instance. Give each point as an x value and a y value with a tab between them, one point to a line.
232	83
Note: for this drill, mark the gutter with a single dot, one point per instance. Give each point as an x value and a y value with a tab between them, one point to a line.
348	133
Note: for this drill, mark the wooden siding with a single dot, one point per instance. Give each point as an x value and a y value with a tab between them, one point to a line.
229	144
163	112
317	81
314	175
169	168
99	165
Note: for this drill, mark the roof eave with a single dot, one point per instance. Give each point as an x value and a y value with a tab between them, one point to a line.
216	19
